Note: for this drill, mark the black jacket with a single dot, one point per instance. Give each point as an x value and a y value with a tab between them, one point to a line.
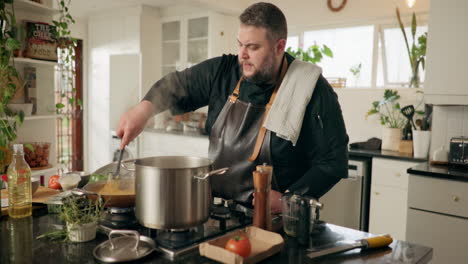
319	159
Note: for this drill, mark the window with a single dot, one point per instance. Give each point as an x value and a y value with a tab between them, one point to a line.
292	42
394	55
351	46
376	54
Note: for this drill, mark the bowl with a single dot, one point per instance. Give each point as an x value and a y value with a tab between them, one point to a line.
83	175
35	182
69	181
36	154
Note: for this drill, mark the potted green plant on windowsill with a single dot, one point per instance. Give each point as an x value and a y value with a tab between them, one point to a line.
390	117
417	52
314	54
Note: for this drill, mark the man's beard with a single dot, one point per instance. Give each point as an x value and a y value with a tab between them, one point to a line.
265	72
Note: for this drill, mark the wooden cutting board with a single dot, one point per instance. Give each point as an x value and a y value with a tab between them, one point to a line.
40	196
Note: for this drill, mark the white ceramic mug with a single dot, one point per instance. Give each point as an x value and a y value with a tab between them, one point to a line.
421	142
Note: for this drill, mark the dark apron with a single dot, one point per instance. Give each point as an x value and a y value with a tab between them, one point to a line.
232	141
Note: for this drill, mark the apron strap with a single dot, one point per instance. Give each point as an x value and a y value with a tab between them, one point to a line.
235	94
262	131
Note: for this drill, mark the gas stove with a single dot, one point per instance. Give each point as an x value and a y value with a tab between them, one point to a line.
224	218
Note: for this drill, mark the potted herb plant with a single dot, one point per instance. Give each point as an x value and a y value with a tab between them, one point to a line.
390	117
417	53
81	216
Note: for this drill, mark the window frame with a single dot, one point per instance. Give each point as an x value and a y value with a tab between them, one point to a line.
378	37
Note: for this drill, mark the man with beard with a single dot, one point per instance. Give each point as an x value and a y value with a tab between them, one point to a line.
240	90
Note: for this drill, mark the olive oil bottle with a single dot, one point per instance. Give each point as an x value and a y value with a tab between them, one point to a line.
19	185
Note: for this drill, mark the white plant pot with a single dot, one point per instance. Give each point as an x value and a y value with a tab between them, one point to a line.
82	233
391	138
421	142
26	108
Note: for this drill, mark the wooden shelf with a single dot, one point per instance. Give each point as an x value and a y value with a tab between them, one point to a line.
29	61
39	117
30	6
36	173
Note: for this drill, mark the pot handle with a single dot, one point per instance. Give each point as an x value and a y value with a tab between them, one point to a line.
208	174
125	166
125	232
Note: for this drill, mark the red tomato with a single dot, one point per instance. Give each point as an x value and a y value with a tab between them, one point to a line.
54	183
239	245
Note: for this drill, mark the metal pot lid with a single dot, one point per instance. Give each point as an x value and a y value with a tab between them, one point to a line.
124	245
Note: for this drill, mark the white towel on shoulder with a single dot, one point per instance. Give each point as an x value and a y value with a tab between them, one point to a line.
287	112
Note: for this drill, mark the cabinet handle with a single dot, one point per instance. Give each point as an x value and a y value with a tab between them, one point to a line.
398	174
456	198
377	193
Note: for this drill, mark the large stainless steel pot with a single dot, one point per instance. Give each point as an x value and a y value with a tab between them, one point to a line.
173	192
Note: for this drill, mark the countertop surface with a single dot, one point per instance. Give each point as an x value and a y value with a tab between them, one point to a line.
19	245
438	171
383	154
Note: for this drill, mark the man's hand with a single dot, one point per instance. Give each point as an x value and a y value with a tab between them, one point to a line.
133	121
275	202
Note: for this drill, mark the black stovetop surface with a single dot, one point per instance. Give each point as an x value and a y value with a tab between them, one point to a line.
222	220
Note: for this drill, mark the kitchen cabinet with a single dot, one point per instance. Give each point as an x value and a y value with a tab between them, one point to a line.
388	199
438	217
189	40
445	81
40	127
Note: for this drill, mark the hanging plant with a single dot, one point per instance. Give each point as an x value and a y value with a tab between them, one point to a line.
68	103
9	80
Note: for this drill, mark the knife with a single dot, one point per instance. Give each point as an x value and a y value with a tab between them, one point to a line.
341	246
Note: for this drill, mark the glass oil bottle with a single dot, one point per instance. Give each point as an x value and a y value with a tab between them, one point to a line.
19	185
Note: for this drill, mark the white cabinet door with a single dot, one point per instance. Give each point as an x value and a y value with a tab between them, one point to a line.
189	40
446	71
387	213
448	235
389	197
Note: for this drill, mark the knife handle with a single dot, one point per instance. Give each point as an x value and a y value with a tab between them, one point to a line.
378	241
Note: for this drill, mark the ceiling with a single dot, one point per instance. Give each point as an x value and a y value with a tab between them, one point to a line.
83	8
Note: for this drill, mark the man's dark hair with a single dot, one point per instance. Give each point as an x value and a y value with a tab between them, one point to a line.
268	16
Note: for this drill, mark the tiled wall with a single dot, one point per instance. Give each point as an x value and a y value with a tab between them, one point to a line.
448	122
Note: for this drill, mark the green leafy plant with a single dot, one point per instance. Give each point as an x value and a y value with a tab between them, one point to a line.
9	80
388	110
356	70
314	54
68	102
77	210
417	52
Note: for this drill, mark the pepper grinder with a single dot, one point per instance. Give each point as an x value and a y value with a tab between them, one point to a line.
262	185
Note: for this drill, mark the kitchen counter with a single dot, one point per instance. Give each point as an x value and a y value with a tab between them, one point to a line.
446	172
383	154
18	244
